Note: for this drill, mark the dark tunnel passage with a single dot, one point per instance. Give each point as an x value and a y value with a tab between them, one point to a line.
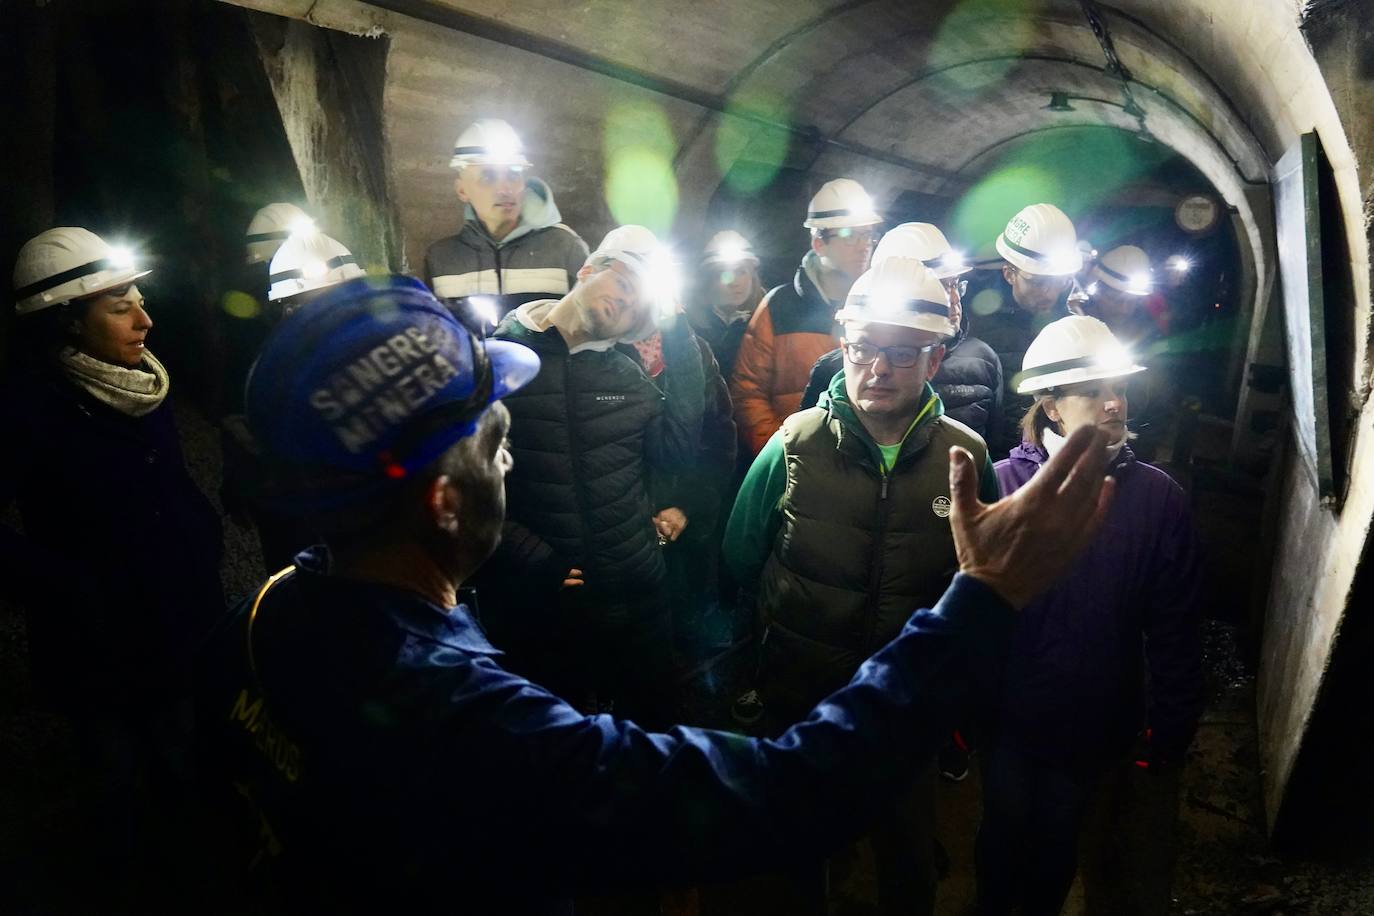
1231	143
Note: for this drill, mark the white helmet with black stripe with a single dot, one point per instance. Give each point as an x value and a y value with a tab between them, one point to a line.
270	227
1125	268
307	262
1042	241
489	141
927	244
728	248
66	263
841	204
902	292
1075	349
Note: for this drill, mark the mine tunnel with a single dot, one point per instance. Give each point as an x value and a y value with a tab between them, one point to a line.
1228	141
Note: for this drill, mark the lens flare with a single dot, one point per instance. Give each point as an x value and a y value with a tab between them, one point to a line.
640	185
485	308
238	304
748	152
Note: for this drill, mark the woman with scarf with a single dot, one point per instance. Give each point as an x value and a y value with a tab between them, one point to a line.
1073	705
117	565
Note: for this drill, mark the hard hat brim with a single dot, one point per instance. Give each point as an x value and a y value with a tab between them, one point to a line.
1116	284
947	273
513	366
1027	382
462	162
60	294
1066	266
853	221
931	324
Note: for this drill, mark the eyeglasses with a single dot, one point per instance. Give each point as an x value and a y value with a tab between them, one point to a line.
957	287
862	354
860	237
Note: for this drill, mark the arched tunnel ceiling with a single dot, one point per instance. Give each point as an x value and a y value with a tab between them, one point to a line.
903	96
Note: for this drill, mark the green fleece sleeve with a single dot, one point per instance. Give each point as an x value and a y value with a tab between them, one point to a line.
988	490
755	520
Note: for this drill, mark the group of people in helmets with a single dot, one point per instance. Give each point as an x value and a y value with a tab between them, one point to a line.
382	752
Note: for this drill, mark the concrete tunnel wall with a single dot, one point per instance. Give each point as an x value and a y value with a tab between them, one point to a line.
1229	86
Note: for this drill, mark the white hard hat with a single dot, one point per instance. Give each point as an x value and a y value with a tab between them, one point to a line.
902	292
1125	268
1071	350
729	248
638	249
840	204
1041	240
634	246
271	226
310	261
925	243
489	141
68	263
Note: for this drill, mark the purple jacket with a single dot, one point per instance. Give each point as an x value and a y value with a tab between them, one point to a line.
1075	683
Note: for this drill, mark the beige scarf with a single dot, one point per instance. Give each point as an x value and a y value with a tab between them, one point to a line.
130	391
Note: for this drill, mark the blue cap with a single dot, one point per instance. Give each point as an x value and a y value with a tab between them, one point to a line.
368	384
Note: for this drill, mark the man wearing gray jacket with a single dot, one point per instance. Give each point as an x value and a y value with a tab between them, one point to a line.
512	248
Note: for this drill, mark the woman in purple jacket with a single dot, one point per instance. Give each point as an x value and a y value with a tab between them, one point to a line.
1073	700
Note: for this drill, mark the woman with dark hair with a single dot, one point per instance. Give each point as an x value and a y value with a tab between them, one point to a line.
1073	703
118	561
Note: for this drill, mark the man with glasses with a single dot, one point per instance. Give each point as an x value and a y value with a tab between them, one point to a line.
969	380
795	323
843	520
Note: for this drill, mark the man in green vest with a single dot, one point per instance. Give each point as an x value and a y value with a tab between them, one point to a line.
843	521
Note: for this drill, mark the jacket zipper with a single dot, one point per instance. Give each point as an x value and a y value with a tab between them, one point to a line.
571	407
875	574
500	281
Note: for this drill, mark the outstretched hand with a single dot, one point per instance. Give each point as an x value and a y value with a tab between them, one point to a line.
1022	544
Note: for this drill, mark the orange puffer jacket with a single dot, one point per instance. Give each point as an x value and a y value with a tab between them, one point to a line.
792	328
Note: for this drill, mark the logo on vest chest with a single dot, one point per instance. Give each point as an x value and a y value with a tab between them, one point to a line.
940	506
610	397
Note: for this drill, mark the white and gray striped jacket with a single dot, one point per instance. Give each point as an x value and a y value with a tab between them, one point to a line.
538	260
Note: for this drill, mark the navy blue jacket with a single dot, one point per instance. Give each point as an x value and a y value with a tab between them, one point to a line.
401	769
1074	689
118	565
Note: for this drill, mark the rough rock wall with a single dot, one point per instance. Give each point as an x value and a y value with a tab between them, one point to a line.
1313	605
328	87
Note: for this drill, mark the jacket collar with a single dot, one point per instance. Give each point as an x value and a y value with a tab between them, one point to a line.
852	437
455	628
537	211
1037	455
807	281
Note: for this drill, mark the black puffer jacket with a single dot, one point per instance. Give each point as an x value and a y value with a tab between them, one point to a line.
969	383
585	434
